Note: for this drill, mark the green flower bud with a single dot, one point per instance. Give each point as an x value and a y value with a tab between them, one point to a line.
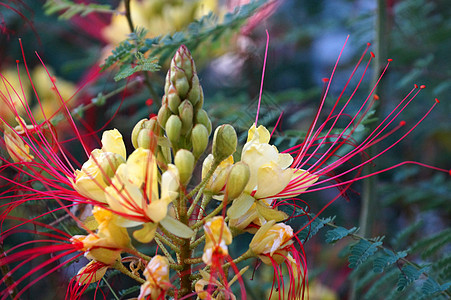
173	129
173	99
142	132
184	161
202	118
167	82
184	60
194	94
185	111
224	142
138	127
180	82
238	179
146	139
200	103
163	115
199	139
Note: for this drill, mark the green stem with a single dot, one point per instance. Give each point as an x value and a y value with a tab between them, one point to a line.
210	215
367	210
194	260
131	26
246	255
167	242
165	251
194	203
197	242
128	15
204	181
110	288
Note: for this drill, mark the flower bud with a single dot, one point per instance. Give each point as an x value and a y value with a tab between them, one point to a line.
138	127
173	99
237	181
185	111
146	139
163	115
180	82
184	60
194	94
141	134
199	139
184	161
173	129
200	103
17	149
272	239
202	118
219	178
224	142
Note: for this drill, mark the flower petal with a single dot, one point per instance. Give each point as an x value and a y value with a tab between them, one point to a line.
272	180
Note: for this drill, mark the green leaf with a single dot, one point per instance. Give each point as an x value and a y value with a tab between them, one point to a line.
430	287
361	251
71	9
313	228
142	64
200	31
388	258
408	275
339	233
431	245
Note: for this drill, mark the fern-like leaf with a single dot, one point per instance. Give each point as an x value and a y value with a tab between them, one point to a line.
388	258
124	53
387	279
431	245
142	64
313	228
430	287
408	275
71	9
361	251
338	233
202	30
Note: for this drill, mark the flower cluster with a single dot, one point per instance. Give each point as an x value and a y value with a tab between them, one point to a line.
152	194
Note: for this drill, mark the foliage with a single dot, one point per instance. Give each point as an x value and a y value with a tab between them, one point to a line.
71	9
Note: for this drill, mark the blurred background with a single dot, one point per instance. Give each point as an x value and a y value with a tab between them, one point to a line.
410	206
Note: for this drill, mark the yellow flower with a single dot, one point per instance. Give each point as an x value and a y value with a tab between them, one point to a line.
110	240
96	172
134	193
270	174
272	239
217	237
157	278
266	164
